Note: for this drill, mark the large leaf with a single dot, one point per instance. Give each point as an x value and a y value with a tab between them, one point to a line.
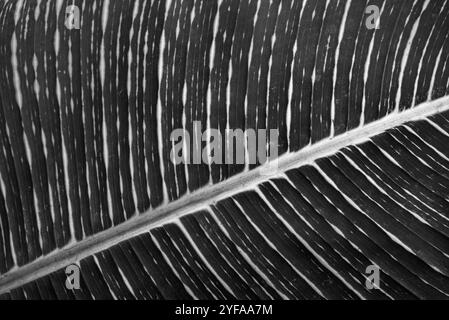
85	122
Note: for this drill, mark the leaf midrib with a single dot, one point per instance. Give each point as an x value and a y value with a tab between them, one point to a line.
206	196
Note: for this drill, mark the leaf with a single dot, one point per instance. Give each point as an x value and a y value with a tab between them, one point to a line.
86	117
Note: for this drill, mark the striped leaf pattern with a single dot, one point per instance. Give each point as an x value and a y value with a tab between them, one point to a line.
85	172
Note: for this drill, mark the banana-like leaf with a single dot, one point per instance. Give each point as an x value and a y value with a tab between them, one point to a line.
92	90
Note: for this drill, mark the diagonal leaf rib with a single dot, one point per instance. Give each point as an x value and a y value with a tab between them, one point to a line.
200	199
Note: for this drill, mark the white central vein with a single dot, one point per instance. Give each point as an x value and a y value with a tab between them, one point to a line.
203	198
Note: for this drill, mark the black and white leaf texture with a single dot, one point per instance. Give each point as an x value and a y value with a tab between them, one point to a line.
85	171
